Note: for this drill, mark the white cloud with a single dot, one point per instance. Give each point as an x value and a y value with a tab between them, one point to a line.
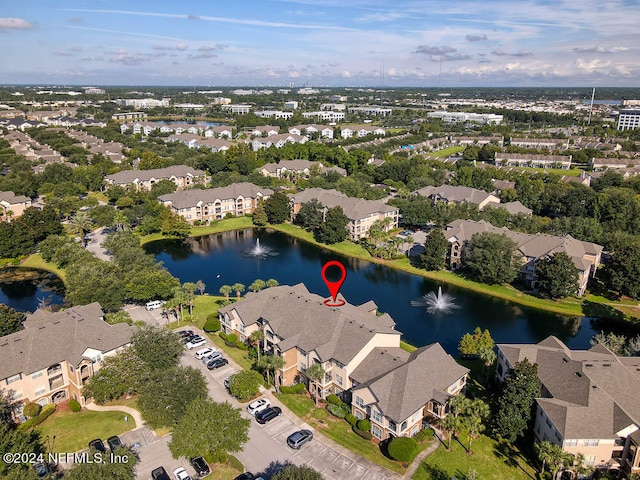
182	46
11	23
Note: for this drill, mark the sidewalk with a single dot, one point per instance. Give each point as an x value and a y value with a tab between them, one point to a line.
424	454
133	413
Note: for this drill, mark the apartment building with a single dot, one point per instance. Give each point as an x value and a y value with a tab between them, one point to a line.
532	160
296	169
56	353
12	205
458	194
588	401
181	175
359	351
629	119
361	213
215	203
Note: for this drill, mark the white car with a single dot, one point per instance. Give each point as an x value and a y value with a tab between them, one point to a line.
258	405
195	343
205	352
211	356
181	474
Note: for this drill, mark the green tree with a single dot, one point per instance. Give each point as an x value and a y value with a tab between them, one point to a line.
334	227
201	286
471	344
450	426
623	271
257	285
81	224
615	343
310	215
123	374
238	288
436	247
189	289
165	396
259	214
475	414
208	428
492	258
176	226
557	276
157	347
245	384
269	363
315	373
107	469
272	282
13	440
226	290
277	208
517	397
295	472
255	339
10	320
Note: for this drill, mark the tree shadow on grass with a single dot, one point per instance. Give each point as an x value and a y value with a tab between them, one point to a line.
433	472
272	469
601	310
509	455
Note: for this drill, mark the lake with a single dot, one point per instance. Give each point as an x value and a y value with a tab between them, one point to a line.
23	289
221	259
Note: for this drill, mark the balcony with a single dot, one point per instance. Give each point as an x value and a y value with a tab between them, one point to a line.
56	382
54	369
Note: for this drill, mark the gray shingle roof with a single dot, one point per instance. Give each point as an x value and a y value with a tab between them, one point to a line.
426	376
354	208
12	198
128	176
301	320
190	198
49	338
457	194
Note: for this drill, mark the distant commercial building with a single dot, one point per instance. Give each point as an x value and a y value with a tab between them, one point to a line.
291	105
629	119
143	102
377	111
463	117
93	91
238	109
277	114
129	116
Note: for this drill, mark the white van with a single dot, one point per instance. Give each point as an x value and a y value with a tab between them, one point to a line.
155	304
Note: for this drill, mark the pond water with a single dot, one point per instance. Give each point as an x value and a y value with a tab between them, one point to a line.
25	289
221	259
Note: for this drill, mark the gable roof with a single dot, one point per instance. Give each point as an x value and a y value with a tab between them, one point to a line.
354	208
129	176
426	375
191	198
49	338
456	194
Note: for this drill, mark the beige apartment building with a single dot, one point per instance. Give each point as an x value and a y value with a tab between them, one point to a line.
56	353
362	214
359	351
588	402
237	199
181	175
12	205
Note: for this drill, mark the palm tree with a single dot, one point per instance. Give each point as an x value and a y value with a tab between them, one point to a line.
476	412
272	282
255	339
275	362
9	214
450	426
189	289
200	286
120	221
488	356
180	299
238	288
81	224
257	285
226	291
314	373
549	454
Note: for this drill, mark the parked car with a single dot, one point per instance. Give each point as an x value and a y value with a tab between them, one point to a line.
188	338
200	466
114	442
181	474
195	343
154	304
267	414
258	405
98	445
299	438
212	356
185	333
204	352
159	474
43	470
247	476
217	363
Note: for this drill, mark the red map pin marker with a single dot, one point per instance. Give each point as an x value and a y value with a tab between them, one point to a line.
334	287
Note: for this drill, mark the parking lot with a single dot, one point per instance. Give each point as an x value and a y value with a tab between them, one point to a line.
266	447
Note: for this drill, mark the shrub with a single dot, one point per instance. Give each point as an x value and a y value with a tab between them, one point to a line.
351	419
223	335
231	340
31	410
74	405
363	434
235	463
296	389
241	345
336	410
212	324
426	434
364	425
402	449
333	399
245	384
46	412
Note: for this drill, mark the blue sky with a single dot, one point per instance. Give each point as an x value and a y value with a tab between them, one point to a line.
322	42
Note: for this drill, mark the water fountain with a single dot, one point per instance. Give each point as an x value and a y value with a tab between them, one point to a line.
440	302
260	251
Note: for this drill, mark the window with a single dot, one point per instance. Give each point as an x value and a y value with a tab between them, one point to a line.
359	415
392	425
40	390
303	367
14	379
403	426
71	368
338	379
376	431
571	443
359	402
590	461
36	375
591	443
377	416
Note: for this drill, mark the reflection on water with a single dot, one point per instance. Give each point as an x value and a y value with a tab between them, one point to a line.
26	289
219	260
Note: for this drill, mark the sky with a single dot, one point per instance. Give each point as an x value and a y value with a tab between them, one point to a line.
413	43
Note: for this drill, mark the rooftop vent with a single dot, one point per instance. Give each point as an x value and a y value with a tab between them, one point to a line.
56	322
579	374
588	364
606	364
565	360
41	327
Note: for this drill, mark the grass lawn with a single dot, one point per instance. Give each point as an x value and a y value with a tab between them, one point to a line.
337	430
225	225
222	472
446	152
36	261
74	431
490	460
